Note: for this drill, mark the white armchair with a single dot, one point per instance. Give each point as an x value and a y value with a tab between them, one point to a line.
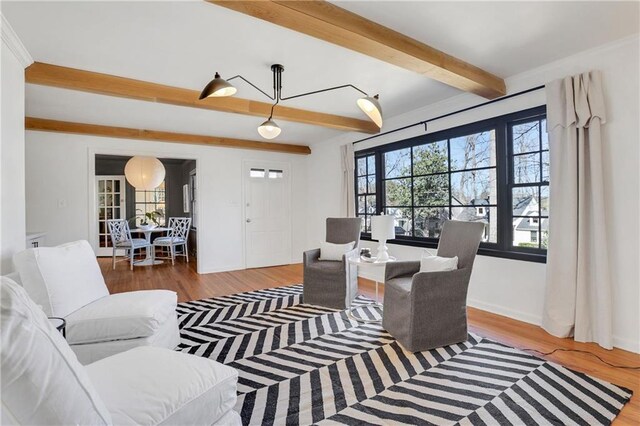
43	382
66	282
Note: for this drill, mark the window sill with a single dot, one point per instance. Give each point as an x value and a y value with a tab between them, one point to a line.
483	251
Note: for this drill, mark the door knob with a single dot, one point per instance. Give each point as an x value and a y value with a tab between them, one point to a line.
248	220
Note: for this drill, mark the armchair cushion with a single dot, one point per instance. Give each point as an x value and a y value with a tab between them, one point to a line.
61	279
139	389
121	316
168	241
42	381
326	266
331	251
135	242
438	263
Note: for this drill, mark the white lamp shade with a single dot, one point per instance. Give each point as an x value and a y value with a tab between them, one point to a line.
370	106
383	227
269	129
144	173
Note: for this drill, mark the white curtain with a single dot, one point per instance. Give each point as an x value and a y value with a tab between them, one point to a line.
348	184
578	291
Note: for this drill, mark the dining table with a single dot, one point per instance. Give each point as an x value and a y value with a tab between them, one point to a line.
148	260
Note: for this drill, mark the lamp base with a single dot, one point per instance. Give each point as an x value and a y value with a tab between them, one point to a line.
382	255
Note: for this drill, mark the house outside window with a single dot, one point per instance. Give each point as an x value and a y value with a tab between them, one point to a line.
494	172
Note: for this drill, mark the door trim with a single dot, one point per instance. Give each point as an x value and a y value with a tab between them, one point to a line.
107	251
151	151
284	165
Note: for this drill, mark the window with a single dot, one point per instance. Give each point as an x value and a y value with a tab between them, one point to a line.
366	189
494	172
275	174
257	173
530	182
151	201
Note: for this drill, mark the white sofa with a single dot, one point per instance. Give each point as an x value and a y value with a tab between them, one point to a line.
66	282
44	384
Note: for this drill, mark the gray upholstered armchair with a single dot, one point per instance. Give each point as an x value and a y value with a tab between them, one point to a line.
426	310
333	284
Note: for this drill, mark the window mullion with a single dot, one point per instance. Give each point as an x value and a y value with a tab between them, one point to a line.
504	221
380	190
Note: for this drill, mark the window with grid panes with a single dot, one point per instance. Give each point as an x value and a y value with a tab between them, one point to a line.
149	201
366	190
529	184
494	172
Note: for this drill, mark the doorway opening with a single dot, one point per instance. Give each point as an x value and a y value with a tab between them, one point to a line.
115	198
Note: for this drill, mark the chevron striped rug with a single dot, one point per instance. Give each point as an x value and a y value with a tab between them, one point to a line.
304	364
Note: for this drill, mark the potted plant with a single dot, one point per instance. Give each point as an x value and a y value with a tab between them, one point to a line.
150	220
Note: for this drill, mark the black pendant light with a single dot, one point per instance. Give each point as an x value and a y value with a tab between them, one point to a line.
219	87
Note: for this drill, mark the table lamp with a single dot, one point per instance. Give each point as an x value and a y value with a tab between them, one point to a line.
382	229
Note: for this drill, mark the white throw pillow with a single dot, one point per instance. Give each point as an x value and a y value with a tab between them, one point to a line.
61	279
42	380
430	263
330	251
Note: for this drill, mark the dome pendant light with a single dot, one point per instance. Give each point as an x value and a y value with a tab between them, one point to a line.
144	173
371	107
218	88
269	129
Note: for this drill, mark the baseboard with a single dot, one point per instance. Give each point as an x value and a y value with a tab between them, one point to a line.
501	310
223	269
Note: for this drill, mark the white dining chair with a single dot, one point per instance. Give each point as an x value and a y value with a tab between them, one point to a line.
178	237
121	239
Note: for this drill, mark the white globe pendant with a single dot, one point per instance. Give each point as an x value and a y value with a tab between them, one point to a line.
144	173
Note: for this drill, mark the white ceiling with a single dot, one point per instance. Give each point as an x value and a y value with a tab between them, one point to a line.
184	43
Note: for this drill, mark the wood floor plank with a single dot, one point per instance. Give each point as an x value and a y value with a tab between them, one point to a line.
183	279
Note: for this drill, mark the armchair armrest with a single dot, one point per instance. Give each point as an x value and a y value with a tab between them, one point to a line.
348	255
445	286
401	269
310	256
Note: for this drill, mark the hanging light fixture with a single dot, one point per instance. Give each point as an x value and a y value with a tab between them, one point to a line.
144	173
371	107
269	129
218	88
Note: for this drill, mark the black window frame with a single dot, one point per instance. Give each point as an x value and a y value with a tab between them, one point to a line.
504	180
367	193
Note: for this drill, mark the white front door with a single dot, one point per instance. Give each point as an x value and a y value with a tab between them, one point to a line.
110	199
267	218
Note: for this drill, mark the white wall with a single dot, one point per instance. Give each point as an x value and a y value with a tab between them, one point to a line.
13	59
58	168
516	288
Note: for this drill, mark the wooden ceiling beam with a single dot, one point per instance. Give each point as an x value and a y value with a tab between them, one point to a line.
46	125
110	85
328	22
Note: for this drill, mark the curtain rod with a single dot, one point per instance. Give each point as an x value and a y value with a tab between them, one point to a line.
424	122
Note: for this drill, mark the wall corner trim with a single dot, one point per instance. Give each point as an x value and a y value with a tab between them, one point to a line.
11	39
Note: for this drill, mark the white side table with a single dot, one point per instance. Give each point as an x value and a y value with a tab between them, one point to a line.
358	262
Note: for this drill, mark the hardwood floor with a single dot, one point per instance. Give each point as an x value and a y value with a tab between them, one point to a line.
183	279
